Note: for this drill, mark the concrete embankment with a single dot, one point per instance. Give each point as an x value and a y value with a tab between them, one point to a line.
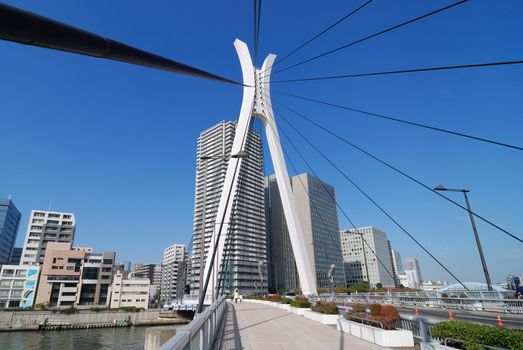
34	320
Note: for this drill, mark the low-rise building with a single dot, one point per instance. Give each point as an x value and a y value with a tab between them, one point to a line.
129	292
18	286
75	276
433	285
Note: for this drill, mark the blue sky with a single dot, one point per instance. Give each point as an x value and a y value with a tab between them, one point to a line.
116	143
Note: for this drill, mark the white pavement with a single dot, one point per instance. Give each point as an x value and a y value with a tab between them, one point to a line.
253	326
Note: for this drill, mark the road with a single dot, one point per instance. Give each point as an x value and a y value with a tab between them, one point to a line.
509	321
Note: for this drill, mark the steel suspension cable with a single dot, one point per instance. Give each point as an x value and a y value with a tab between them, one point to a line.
404	121
371	36
318	35
371	199
341	138
417	70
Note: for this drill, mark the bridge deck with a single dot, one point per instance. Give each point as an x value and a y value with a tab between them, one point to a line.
252	326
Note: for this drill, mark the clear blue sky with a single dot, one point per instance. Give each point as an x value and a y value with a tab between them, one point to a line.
116	143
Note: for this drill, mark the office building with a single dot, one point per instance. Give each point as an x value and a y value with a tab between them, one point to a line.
317	214
173	268
396	262
245	244
75	276
18	286
413	265
45	227
514	281
132	292
9	224
373	255
16	256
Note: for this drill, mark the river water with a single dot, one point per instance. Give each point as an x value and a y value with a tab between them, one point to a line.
125	338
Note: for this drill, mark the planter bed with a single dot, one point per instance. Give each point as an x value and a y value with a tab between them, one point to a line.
321	318
382	337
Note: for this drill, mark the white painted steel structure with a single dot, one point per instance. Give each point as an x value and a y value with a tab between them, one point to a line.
256	103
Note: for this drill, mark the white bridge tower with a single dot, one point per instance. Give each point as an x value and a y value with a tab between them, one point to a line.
257	103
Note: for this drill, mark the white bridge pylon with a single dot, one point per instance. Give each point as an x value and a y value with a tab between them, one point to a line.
256	103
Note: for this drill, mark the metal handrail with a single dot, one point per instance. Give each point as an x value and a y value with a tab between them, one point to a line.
194	334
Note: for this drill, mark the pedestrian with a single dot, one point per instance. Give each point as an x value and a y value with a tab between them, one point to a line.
236	296
241	298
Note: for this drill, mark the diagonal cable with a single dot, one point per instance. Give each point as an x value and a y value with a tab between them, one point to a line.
408	122
372	36
399	171
319	34
371	199
316	175
402	71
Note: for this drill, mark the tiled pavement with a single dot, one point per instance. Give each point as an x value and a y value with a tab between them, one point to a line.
253	326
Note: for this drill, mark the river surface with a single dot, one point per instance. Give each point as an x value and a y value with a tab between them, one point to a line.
125	338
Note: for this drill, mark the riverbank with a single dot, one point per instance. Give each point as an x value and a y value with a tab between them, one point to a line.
48	320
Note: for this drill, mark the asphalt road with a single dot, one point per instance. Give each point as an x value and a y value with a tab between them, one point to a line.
509	321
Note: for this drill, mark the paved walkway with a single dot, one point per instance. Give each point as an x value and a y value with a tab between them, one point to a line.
253	326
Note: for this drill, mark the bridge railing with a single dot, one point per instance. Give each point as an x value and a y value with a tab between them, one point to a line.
202	331
513	306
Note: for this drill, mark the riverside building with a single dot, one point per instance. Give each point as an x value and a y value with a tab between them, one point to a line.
45	227
9	224
245	244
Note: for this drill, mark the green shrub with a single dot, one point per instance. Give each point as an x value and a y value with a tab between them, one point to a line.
301	301
358	308
130	309
69	311
375	309
285	300
98	309
325	307
474	334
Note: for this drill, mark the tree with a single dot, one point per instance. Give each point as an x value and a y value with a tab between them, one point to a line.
379	286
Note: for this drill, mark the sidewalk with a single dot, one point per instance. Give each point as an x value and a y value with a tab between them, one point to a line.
252	326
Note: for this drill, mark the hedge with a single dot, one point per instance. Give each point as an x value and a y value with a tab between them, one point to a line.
325	307
301	301
473	334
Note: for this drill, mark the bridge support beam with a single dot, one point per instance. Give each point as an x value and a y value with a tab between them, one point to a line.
256	103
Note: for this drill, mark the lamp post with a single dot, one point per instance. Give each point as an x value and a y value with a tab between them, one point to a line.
205	158
476	236
364	257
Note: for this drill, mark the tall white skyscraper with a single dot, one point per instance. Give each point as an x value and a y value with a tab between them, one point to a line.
245	240
413	265
173	272
353	255
43	227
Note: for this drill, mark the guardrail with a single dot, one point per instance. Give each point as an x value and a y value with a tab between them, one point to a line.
513	306
201	333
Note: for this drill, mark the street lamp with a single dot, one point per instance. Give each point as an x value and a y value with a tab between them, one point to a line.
205	158
480	250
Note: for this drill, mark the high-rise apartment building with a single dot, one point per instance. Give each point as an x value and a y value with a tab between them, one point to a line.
373	255
75	276
317	213
413	265
173	268
44	227
9	223
245	244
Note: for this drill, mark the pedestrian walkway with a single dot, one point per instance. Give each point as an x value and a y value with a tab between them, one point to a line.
252	326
